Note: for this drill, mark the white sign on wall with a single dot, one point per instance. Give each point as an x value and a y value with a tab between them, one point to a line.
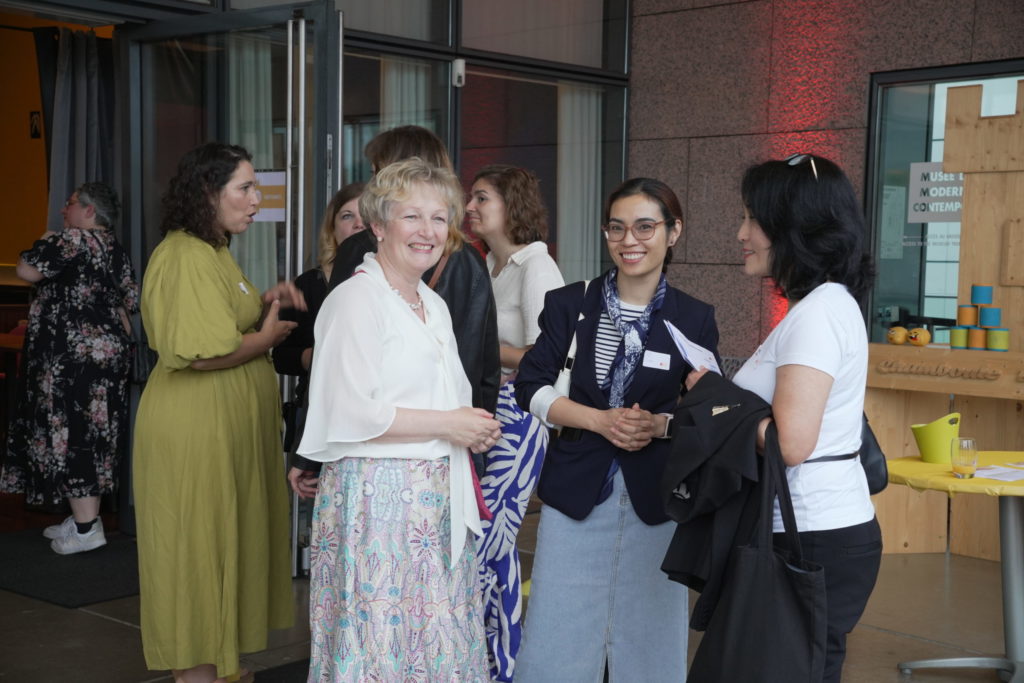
934	194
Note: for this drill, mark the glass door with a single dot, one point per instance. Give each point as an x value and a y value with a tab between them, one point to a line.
252	84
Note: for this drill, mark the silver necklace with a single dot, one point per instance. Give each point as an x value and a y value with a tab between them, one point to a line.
414	306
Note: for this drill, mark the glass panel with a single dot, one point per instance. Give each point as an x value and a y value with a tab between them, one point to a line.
584	32
425	20
568	133
382	92
918	260
233	87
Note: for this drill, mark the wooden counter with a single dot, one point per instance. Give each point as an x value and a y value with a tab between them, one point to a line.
912	385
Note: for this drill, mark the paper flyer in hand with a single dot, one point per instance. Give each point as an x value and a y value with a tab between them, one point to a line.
694	354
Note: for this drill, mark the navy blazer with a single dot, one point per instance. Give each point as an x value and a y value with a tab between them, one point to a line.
574	471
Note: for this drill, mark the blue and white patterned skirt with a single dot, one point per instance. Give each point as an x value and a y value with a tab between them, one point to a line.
512	469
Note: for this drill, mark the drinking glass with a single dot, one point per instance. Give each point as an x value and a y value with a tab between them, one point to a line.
964	457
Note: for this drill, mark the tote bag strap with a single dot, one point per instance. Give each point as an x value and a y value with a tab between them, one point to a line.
775	485
570	357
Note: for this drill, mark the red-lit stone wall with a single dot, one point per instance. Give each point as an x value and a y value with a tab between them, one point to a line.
716	85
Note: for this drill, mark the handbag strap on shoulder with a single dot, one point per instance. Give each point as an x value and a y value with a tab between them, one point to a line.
571	355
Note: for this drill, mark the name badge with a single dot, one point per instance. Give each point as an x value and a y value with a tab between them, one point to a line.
657	360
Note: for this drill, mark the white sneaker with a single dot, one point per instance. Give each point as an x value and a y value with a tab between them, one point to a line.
62	529
79	543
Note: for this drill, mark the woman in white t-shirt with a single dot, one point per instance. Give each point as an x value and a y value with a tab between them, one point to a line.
803	227
507	212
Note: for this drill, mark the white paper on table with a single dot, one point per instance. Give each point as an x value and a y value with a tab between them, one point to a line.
1014	464
694	354
1000	473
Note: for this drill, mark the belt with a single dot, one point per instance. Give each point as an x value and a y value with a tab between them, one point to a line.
831	458
571	434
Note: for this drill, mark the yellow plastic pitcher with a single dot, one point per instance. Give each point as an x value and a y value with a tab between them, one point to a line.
934	439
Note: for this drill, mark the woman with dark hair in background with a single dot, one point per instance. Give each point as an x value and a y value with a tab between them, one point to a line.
72	421
803	227
212	510
507	212
598	596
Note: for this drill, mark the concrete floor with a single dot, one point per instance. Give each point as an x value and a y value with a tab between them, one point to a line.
924	606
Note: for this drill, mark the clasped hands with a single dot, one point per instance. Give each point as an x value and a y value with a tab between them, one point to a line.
631	428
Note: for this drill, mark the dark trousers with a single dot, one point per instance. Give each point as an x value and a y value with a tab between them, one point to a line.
851	557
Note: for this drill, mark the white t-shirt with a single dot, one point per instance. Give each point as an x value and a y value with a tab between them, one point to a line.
825	331
519	293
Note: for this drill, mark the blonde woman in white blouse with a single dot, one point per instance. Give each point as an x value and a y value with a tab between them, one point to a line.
507	212
393	592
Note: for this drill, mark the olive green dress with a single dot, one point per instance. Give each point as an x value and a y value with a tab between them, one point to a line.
210	488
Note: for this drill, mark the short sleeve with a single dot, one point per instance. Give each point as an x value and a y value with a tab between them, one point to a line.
541	276
186	306
53	253
811	337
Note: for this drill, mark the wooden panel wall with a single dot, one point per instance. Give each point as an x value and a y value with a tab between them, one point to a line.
911	521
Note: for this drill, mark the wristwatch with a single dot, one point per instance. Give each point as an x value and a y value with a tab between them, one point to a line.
668	425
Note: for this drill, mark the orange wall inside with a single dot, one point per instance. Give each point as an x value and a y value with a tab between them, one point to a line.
23	182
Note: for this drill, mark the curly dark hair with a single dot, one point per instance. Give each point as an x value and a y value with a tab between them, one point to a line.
809	210
190	202
526	217
659	193
103	199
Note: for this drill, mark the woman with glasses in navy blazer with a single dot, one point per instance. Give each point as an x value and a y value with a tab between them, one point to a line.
598	595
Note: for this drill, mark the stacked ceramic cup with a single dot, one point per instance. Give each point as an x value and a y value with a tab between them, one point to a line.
978	323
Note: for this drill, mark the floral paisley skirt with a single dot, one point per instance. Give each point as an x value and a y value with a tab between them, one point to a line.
386	604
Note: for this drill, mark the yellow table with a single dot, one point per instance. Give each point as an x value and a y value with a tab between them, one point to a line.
920	475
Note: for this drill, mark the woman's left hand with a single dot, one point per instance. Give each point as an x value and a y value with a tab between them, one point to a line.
633	428
288	294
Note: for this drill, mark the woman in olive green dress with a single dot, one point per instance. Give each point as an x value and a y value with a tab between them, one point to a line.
211	501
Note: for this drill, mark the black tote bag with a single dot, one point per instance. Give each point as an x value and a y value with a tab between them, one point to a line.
769	624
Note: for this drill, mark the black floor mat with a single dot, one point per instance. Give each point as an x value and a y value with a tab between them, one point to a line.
29	567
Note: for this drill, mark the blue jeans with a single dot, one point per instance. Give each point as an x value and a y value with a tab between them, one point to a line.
597	592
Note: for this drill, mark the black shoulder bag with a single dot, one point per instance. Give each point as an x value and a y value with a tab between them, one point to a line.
770	622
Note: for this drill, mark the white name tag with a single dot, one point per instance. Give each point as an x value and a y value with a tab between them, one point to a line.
657	360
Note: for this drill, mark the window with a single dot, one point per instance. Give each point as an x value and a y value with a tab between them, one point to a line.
913	206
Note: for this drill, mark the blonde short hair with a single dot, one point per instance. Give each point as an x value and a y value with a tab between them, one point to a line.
394	183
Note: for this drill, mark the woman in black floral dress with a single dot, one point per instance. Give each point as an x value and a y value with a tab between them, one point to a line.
71	425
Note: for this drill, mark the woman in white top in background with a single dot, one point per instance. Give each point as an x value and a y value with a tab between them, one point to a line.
803	227
393	585
507	212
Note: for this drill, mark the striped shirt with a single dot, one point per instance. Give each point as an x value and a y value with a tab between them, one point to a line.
608	338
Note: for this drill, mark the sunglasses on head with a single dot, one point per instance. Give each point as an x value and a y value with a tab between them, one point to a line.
798	159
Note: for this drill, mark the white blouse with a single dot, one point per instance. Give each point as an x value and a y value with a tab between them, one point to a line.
372	355
519	293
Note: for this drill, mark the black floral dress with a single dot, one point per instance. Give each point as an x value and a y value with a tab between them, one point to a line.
71	423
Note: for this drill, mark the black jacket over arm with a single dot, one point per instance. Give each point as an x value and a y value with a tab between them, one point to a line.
574	471
709	485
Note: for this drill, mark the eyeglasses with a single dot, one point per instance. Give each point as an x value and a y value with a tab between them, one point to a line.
70	202
643	230
798	159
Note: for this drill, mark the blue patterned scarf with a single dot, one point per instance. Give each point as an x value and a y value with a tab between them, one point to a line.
634	337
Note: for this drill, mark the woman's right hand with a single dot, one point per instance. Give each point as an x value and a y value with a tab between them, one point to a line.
273	329
474	428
